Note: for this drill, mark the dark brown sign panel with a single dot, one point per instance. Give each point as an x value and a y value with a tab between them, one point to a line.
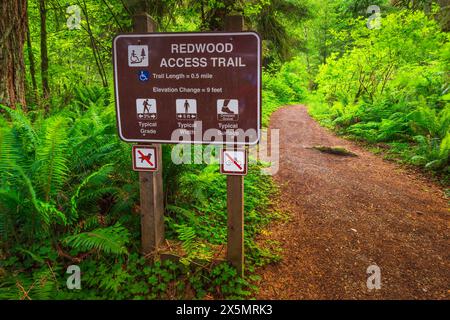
188	87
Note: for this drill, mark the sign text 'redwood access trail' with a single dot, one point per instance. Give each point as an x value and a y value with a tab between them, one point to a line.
188	87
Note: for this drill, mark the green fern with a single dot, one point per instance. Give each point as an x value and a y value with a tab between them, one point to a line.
95	179
8	153
42	285
52	159
23	125
194	249
9	201
46	210
190	215
444	148
109	240
198	184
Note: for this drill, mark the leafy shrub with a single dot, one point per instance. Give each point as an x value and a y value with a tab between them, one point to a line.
284	86
391	86
69	196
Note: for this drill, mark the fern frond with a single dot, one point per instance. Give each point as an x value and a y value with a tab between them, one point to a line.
187	235
182	211
111	239
444	148
8	153
46	210
9	201
94	179
193	248
52	159
23	125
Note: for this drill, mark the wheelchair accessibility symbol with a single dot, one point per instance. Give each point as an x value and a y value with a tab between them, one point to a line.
144	75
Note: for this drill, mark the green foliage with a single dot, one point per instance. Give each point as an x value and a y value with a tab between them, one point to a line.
391	87
109	240
67	192
282	87
51	158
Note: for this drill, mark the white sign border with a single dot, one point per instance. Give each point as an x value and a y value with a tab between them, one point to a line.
190	34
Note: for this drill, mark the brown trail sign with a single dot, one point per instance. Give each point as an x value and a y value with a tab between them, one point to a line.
188	87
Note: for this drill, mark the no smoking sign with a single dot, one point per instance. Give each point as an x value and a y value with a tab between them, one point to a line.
233	162
144	158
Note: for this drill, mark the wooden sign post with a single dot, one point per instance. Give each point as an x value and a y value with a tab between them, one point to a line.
151	183
235	192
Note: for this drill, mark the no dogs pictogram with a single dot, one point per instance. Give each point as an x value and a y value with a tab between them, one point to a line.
144	158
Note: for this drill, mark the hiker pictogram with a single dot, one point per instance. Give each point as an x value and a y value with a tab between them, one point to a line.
146	109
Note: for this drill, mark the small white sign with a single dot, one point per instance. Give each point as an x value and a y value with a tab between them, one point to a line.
137	56
186	109
144	158
146	109
233	162
227	110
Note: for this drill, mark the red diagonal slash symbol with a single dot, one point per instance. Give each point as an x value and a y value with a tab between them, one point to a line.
237	164
143	157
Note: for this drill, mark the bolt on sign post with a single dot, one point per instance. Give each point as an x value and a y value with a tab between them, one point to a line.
193	87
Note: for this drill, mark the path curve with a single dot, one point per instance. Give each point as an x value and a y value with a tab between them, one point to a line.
348	213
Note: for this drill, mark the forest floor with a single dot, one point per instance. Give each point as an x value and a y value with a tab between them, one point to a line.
347	213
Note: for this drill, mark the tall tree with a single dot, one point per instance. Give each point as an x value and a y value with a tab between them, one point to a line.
31	60
12	38
44	51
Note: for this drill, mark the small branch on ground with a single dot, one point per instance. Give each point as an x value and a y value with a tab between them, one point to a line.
340	151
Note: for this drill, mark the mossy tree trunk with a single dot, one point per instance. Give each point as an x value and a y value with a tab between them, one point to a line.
13	24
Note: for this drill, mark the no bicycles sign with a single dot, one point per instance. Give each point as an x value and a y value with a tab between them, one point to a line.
188	87
233	162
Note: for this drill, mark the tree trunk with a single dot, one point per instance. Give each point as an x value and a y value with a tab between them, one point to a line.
12	38
44	52
32	62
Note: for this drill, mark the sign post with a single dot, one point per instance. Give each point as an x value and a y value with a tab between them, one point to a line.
235	192
151	183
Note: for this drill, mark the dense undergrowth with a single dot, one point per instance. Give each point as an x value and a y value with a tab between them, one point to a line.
391	89
68	196
283	85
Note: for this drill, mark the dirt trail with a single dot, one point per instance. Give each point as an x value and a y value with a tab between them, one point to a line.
349	213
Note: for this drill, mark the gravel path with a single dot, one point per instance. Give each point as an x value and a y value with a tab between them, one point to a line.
348	213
